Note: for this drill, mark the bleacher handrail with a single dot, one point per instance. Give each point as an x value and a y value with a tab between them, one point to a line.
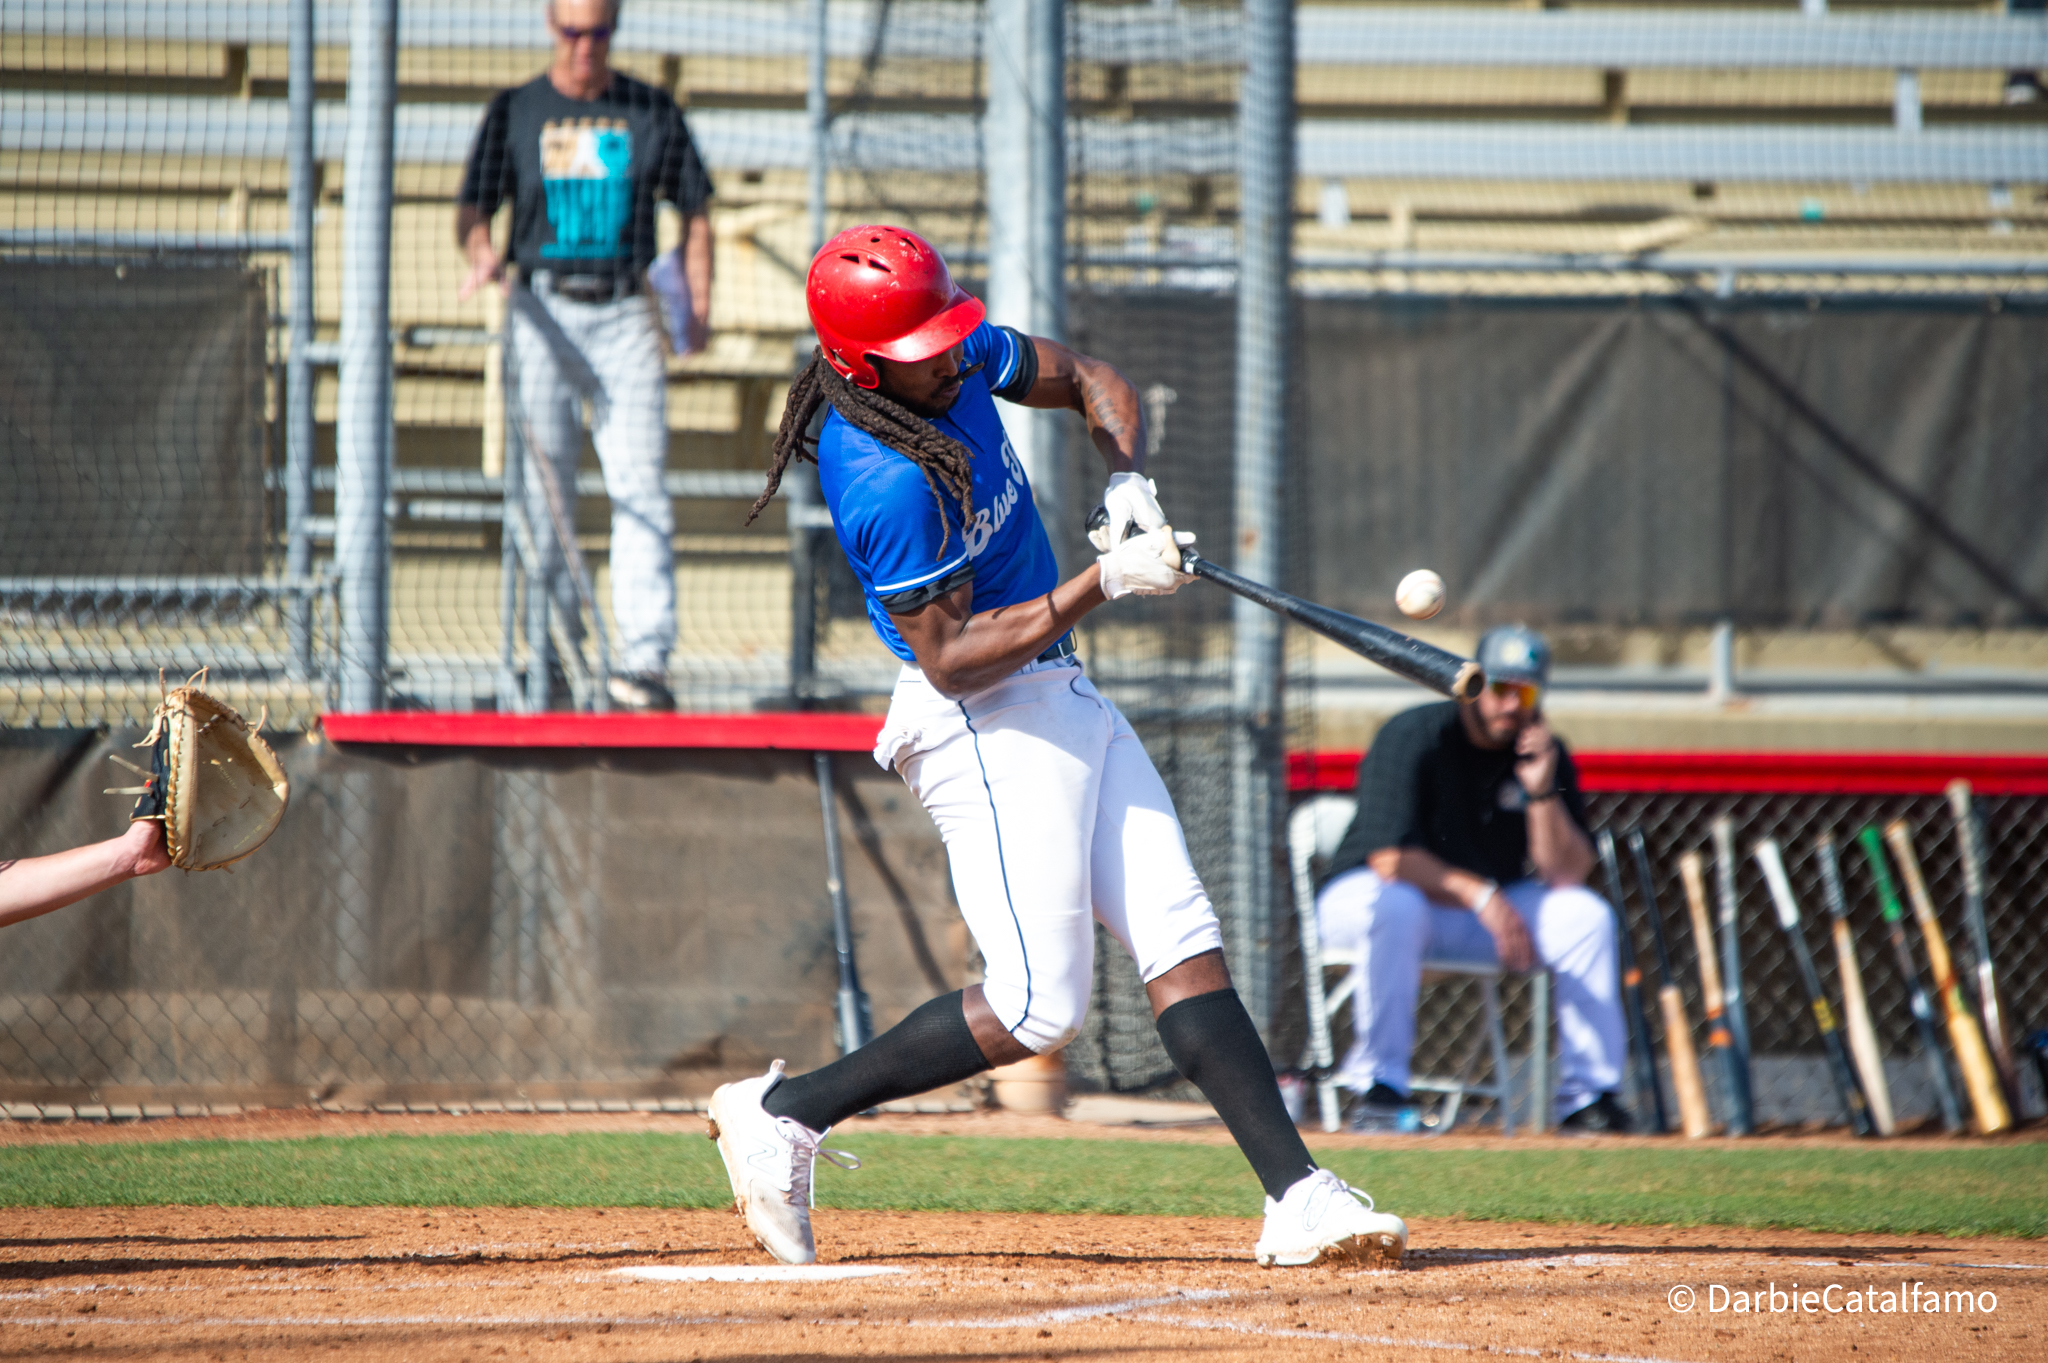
1671	38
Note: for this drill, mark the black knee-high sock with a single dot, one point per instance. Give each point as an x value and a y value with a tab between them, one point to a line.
929	1049
1211	1041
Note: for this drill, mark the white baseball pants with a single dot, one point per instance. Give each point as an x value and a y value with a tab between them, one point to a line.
1054	819
559	353
1394	928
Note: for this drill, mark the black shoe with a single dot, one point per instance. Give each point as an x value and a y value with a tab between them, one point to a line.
1385	1109
1604	1116
2022	87
644	694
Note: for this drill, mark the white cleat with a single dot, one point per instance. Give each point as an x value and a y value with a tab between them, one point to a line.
769	1160
1321	1218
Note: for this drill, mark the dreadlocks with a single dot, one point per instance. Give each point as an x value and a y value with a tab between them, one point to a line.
944	461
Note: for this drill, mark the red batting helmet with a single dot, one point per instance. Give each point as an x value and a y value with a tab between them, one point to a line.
884	291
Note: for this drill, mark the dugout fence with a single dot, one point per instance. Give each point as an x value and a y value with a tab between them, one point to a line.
187	212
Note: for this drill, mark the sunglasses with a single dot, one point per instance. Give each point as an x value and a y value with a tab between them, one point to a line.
601	33
1527	692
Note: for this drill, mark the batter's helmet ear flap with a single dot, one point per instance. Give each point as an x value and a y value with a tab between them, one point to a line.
884	291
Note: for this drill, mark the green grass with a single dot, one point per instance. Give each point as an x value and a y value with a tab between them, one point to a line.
1993	1190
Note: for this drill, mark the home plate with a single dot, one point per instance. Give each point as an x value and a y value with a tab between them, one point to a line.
754	1273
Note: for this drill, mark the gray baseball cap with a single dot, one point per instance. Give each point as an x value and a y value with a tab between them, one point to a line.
1515	653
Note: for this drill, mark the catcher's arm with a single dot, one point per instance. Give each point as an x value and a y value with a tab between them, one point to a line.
36	885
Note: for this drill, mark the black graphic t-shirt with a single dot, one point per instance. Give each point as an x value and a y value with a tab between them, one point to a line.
583	175
1425	784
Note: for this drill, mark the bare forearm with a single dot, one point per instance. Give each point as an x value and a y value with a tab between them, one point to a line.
1559	849
961	656
34	886
697	255
1105	399
1431	874
472	230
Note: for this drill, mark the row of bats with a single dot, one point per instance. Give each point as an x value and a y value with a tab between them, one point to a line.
1982	1048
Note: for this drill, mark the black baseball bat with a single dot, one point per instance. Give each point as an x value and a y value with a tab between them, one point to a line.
1436	668
1772	860
1632	990
1916	997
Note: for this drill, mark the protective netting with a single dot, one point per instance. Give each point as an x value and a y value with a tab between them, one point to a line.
172	503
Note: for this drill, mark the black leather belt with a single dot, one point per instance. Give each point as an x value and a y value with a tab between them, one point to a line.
585	288
1063	649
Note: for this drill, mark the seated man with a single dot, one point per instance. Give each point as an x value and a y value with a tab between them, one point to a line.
1470	844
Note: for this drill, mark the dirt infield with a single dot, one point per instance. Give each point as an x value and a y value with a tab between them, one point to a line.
212	1283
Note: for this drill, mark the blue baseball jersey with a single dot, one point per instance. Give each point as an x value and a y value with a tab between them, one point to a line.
891	526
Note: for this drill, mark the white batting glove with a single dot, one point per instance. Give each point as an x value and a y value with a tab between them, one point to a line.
1146	564
1130	499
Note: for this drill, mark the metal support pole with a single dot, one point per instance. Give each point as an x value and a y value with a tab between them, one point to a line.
818	106
800	483
856	1024
1027	223
363	418
1266	189
299	430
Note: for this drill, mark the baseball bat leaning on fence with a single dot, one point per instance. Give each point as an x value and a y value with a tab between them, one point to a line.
1632	992
1916	997
1433	667
856	1025
1972	1057
1692	870
1773	862
1734	998
1970	836
1693	1117
1855	1005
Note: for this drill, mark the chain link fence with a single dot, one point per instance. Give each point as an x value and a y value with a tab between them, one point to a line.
175	267
1790	1081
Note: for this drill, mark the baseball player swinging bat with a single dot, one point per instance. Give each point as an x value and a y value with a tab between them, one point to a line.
1639	1048
1693	1117
1979	1076
1733	997
1773	864
1916	997
1855	1005
1692	870
1970	834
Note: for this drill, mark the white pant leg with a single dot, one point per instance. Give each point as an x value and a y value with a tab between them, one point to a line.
1011	777
1573	930
629	426
1145	889
549	370
1388	924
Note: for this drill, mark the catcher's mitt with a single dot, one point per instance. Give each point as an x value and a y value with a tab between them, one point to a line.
216	785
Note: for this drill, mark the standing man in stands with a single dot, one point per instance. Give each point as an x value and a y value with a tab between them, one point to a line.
582	153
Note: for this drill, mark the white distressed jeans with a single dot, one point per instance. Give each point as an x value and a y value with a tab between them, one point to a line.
559	353
1393	927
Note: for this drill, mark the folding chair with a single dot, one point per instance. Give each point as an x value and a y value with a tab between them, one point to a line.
1314	829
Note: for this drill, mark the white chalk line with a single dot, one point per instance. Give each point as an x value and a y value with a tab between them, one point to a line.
754	1273
339	1322
1385	1341
1060	1316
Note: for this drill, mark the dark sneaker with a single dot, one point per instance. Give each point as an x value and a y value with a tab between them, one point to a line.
2023	87
1386	1109
643	695
1604	1116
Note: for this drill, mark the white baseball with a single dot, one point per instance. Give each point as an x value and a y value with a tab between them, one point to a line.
1420	595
